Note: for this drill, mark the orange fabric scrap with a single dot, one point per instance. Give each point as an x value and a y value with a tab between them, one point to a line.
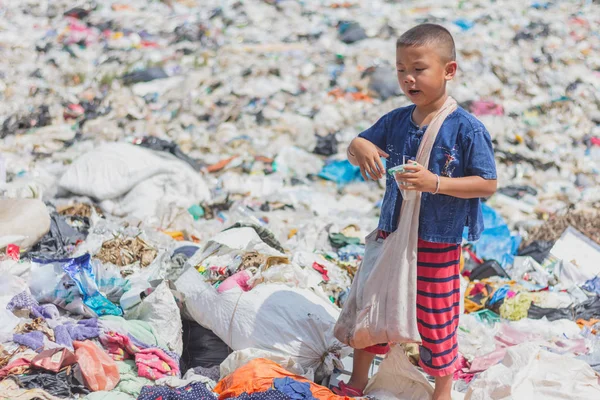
257	376
220	165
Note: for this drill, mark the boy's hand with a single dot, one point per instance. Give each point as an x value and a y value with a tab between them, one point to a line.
368	158
418	177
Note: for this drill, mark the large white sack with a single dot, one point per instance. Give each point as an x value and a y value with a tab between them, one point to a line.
153	199
116	168
23	220
112	170
528	372
289	321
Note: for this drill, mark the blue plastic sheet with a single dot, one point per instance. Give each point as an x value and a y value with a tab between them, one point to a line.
464	24
499	294
496	242
341	172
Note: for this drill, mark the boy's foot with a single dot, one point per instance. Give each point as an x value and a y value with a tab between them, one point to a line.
344	390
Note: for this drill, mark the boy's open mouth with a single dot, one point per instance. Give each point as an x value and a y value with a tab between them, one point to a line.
414	92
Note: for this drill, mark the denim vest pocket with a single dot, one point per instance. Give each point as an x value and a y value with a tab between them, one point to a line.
438	213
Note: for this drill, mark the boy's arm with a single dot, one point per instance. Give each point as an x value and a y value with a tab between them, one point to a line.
468	187
479	170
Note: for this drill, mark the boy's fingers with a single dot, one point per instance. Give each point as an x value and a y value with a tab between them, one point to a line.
381	168
369	170
412	180
382	153
374	170
405	175
413	167
363	173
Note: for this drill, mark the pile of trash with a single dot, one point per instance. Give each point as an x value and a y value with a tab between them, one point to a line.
178	218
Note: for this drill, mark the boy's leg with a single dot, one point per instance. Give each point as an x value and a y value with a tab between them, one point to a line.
443	388
438	308
360	369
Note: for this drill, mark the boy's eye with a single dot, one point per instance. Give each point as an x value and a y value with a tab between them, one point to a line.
420	69
400	70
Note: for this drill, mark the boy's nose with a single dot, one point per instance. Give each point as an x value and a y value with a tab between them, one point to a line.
409	79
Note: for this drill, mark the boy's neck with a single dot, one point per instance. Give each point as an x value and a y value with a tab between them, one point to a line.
424	114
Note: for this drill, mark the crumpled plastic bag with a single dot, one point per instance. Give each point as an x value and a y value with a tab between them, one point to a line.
240	358
201	347
99	370
72	284
398	379
496	242
161	311
528	372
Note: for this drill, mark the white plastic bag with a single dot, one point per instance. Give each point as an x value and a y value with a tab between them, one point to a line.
240	358
160	310
50	284
398	379
294	162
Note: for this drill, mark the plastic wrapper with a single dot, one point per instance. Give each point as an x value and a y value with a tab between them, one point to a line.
201	347
54	360
99	370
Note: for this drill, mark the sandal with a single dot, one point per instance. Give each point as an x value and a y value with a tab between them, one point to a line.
344	390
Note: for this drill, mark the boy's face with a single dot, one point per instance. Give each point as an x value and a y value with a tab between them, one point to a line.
422	73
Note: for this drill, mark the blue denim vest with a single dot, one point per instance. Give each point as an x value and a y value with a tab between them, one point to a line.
463	147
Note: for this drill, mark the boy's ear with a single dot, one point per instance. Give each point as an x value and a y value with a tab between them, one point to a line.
451	69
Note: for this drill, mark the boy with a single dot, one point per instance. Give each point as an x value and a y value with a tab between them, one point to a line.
461	170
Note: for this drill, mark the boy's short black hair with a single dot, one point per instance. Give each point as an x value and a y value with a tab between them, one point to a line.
428	34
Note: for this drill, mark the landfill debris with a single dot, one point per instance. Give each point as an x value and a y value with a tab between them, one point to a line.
123	251
587	222
579	250
570	378
163	206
